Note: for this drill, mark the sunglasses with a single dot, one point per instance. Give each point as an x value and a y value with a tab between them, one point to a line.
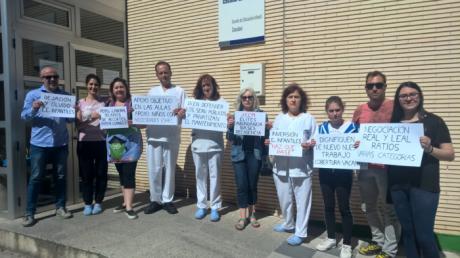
378	85
247	97
49	77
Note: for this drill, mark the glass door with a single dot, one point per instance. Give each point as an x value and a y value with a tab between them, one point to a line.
33	53
107	66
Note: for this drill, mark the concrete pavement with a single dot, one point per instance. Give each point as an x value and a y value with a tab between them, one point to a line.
156	235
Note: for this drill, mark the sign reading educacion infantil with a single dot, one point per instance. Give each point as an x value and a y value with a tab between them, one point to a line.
57	105
390	144
335	151
154	110
113	117
285	143
241	22
206	115
250	123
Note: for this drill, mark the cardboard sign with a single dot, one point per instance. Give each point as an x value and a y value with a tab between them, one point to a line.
113	117
391	144
335	151
206	115
154	110
250	123
285	143
57	105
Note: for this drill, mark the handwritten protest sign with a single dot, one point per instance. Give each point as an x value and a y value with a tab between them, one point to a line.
335	151
57	105
113	117
285	143
391	144
250	123
154	110
206	115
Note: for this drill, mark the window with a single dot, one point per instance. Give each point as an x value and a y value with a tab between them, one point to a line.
106	67
47	13
38	54
101	28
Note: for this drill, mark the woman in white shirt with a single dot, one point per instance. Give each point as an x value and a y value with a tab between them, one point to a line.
292	175
207	148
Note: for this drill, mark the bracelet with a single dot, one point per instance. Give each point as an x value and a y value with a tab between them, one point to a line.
431	151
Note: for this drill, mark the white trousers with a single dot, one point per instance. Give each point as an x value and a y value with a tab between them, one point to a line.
162	155
208	163
299	188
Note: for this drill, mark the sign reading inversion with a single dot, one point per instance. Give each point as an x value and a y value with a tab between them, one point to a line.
285	143
241	22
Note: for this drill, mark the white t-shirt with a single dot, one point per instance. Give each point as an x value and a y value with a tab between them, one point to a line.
166	133
295	166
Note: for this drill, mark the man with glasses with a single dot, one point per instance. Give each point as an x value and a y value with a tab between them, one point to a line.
373	181
48	144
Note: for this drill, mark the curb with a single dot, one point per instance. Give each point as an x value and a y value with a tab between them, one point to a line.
36	247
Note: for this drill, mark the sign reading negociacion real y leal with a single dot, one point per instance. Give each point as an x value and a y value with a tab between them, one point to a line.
241	22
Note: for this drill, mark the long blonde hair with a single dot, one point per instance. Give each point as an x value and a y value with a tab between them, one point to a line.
239	104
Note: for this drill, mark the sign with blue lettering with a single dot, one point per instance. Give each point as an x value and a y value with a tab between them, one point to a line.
57	105
206	115
335	151
241	22
154	110
391	144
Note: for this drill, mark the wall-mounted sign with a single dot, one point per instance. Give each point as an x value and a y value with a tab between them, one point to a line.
241	22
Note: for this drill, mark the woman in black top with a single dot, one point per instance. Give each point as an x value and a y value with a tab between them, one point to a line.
415	190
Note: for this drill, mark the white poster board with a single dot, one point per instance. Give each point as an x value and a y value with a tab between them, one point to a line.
285	143
154	110
335	151
241	22
113	117
390	144
109	75
83	71
57	105
250	123
206	115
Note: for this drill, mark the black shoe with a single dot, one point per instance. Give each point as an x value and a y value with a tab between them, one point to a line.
153	207
120	208
170	208
28	221
131	214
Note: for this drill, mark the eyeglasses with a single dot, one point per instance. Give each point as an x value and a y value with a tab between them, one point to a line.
411	95
49	77
378	85
247	97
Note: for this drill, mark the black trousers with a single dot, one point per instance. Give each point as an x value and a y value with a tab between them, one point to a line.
92	161
337	182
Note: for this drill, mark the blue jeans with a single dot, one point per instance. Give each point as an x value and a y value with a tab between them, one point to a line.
246	178
39	157
416	210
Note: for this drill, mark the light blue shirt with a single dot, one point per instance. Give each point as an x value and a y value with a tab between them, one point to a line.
46	131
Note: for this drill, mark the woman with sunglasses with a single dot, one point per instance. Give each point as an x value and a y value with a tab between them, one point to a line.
91	149
336	182
246	154
207	147
292	175
415	190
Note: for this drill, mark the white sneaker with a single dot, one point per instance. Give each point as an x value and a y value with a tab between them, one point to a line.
346	251
327	244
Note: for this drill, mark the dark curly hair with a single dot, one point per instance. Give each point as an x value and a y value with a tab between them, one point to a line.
123	81
304	101
198	91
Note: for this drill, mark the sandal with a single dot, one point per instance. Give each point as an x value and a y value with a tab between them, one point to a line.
241	224
254	222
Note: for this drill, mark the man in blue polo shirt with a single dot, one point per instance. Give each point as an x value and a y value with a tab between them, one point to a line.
48	144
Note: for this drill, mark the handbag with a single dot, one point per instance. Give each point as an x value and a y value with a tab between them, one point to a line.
266	168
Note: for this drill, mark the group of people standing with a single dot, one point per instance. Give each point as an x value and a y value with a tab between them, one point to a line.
413	191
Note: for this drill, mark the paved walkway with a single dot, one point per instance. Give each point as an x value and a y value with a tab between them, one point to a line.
160	235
